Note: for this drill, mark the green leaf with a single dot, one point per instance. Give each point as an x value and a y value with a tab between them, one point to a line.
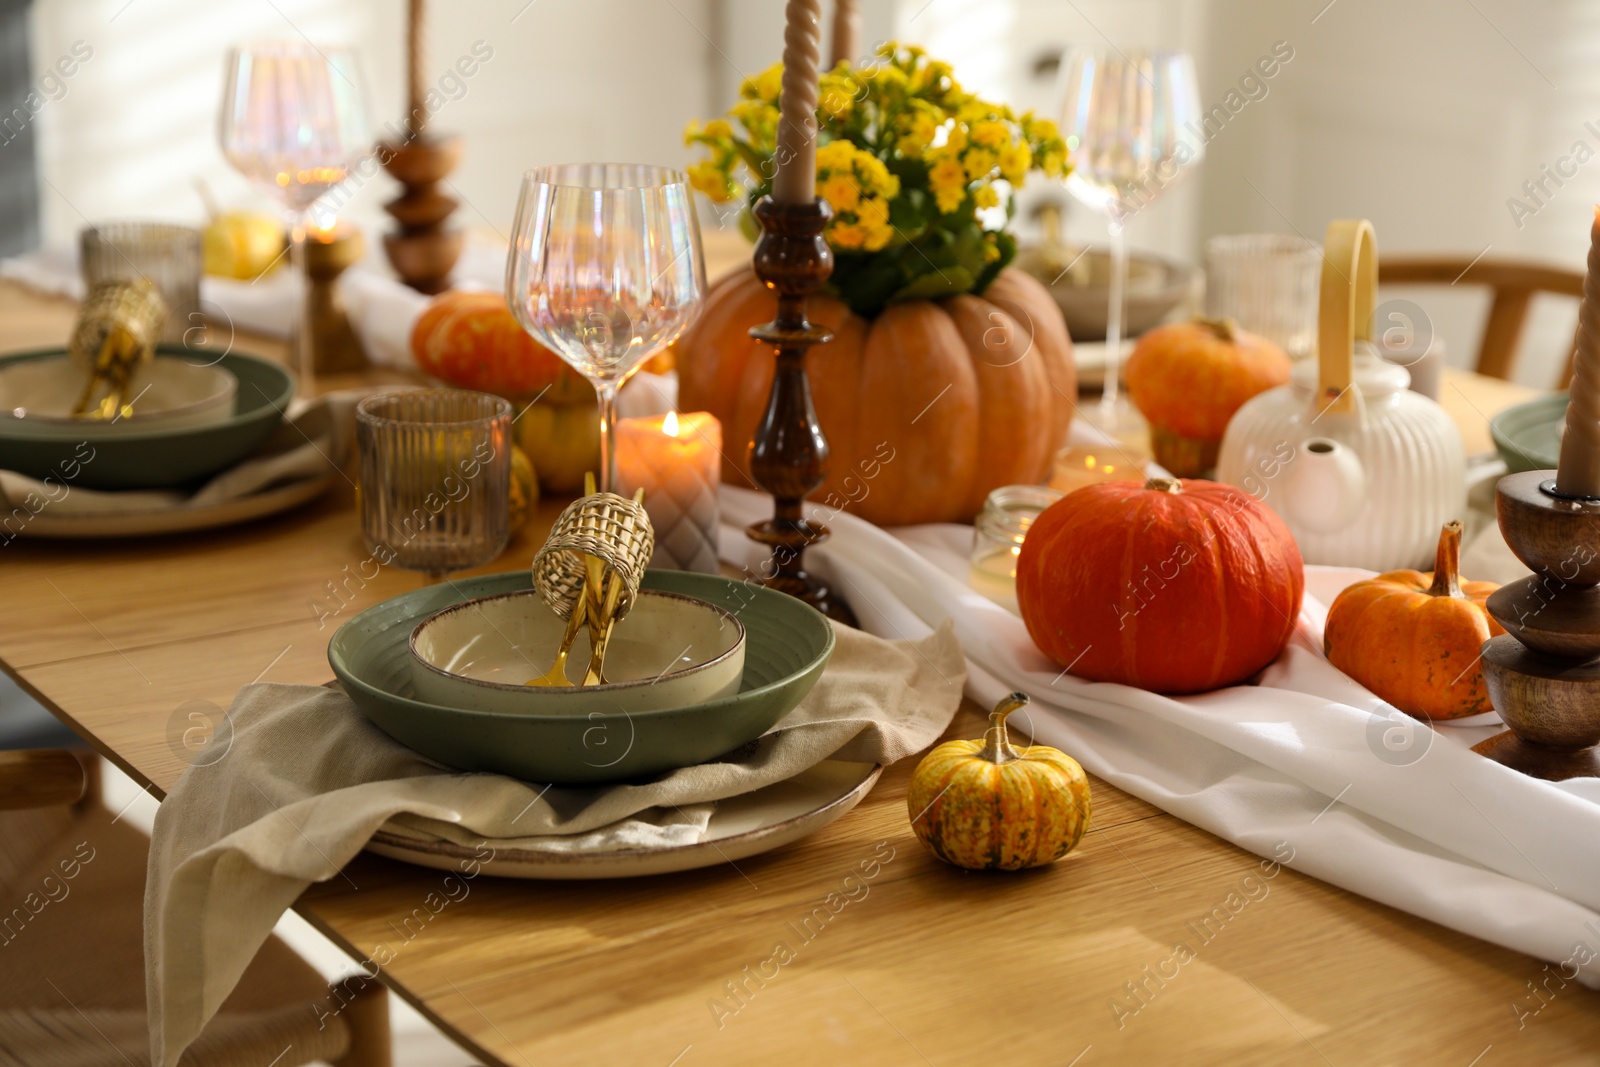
939	283
865	282
1008	251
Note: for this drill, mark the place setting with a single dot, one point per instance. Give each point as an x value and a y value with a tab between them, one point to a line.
820	489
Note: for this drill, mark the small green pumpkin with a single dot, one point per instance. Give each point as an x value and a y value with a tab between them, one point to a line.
984	804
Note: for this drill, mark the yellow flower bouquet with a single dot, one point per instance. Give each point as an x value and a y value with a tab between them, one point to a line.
913	166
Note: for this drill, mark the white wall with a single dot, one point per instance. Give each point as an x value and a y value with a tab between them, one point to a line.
569	80
1425	117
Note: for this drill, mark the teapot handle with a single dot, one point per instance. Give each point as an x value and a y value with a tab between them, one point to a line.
1344	310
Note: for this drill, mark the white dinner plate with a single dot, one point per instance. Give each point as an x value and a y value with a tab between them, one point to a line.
741	826
48	525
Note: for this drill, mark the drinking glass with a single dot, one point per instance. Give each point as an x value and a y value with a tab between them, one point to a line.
1131	119
1267	283
435	478
294	120
605	270
168	255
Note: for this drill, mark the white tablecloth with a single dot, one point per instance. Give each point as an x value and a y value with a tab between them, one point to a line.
1307	764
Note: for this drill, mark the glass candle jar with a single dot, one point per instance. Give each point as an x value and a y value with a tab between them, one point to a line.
997	536
1079	465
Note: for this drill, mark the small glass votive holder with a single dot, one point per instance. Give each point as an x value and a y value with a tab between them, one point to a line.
435	478
997	536
1079	465
167	254
1268	283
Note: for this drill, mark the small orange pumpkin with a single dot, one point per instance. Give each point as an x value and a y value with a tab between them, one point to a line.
1174	587
472	341
1413	637
1189	378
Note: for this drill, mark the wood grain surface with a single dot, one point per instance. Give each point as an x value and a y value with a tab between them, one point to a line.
921	964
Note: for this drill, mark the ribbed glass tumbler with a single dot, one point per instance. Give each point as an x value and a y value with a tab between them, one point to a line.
435	478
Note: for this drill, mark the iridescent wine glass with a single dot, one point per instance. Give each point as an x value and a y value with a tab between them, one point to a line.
605	270
1131	119
294	120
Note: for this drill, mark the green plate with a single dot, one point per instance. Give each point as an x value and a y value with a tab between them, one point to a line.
787	644
1528	436
161	459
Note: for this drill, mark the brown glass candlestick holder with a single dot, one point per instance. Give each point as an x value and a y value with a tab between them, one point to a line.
1543	674
789	455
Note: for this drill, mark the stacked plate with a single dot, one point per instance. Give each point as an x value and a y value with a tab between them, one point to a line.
196	413
701	666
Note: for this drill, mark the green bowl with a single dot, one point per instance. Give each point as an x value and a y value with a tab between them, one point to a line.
1528	436
787	644
161	459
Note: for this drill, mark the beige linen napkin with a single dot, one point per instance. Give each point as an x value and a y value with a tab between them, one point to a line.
308	780
318	436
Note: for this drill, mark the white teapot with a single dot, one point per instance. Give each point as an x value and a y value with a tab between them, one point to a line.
1362	470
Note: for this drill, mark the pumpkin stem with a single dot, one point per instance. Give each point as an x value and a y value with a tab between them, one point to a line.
1164	485
996	744
1225	329
1447	564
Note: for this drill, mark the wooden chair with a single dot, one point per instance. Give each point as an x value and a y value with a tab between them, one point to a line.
1513	285
72	947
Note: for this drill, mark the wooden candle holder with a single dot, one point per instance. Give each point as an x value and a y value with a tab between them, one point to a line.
423	251
789	456
1544	672
335	348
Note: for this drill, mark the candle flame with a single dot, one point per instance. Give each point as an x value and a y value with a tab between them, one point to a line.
669	425
1088	463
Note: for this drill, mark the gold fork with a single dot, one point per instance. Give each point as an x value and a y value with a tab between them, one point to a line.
557	674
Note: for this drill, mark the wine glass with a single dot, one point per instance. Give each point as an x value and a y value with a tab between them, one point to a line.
1132	122
294	120
605	270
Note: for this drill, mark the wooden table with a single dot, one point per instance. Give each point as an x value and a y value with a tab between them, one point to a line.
934	965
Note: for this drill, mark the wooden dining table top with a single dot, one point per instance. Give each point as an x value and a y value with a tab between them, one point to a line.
1068	964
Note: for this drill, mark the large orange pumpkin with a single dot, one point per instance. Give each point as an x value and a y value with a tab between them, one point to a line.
1189	378
1413	637
966	394
1175	587
471	340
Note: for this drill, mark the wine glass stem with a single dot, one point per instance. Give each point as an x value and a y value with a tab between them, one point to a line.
607	391
1119	277
302	357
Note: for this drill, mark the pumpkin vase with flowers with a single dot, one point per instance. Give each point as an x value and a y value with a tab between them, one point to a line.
949	372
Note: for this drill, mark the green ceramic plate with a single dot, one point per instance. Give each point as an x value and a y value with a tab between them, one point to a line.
160	459
1528	436
787	644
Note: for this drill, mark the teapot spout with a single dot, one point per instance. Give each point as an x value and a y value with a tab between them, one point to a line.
1326	487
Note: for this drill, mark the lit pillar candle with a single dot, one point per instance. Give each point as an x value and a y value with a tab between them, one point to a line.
1579	472
796	180
677	461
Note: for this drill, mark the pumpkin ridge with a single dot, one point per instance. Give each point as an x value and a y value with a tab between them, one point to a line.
1051	816
1215	578
1129	623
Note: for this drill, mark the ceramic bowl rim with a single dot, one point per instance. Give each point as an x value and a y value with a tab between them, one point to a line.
561	691
225	388
1510	420
278	402
346	676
